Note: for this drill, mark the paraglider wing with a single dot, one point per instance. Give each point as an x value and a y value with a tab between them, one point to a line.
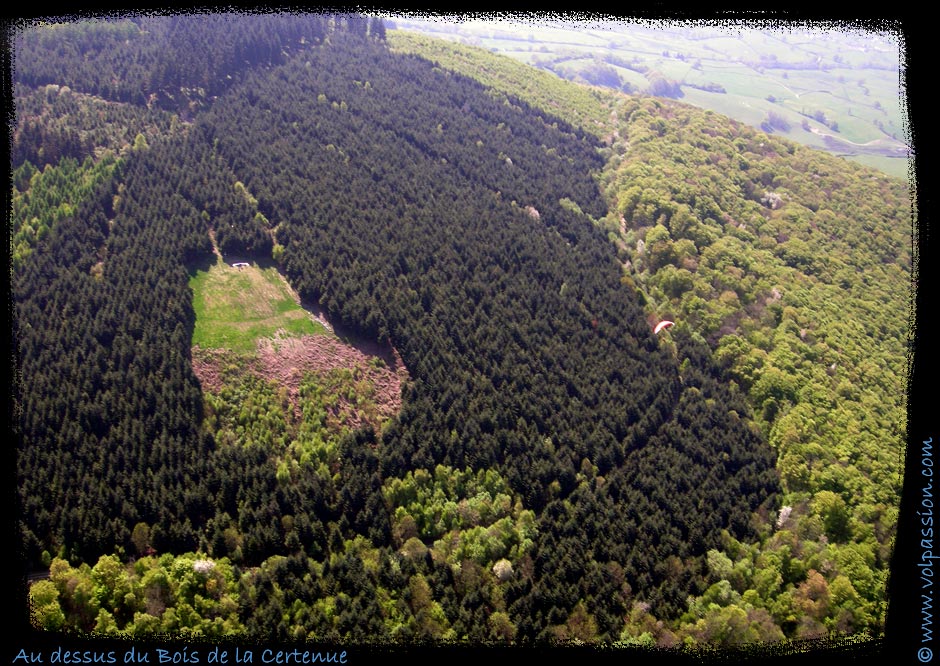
661	325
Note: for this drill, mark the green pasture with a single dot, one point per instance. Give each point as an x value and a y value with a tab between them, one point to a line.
237	306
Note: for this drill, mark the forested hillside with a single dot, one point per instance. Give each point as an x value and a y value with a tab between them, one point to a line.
555	470
795	266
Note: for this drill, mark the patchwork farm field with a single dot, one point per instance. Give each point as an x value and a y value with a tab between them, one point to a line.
834	89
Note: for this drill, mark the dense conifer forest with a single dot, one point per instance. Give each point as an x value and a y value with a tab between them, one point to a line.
556	470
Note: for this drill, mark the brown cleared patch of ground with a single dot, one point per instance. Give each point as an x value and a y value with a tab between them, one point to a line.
250	321
287	360
371	387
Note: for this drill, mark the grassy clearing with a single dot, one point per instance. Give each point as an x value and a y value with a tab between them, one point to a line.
237	306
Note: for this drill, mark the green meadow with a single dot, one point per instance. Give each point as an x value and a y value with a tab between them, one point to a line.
237	306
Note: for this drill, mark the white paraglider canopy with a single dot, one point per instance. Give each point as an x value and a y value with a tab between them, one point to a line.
663	324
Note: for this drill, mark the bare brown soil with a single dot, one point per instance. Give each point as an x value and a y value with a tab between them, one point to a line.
207	364
288	360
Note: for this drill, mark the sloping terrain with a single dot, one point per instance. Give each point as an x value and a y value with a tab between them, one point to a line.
796	268
287	361
554	468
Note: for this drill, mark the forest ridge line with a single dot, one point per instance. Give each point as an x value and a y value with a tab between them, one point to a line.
552	472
